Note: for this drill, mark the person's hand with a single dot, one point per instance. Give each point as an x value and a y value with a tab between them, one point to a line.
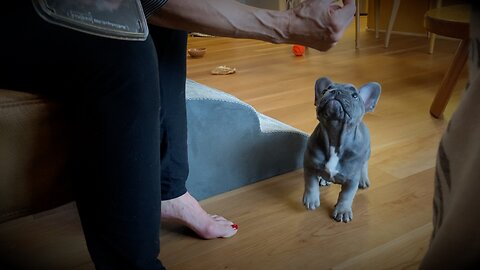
319	24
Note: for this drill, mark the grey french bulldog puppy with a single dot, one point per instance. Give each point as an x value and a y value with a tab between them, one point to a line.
339	148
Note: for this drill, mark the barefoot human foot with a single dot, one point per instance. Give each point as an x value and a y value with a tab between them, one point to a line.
187	211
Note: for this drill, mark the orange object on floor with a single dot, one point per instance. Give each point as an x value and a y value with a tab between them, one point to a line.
298	50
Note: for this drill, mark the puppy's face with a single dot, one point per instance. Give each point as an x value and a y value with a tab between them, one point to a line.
339	102
342	103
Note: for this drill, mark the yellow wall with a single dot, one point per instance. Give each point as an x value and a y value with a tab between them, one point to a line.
409	16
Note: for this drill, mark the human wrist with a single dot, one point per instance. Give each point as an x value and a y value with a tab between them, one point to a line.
282	31
274	25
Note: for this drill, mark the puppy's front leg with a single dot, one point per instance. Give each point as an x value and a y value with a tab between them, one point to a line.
343	208
311	195
364	181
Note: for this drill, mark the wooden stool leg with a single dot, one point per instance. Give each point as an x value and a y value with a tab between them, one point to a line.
432	35
449	80
432	43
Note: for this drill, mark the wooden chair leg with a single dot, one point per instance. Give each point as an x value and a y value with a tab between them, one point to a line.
377	16
449	80
357	23
391	21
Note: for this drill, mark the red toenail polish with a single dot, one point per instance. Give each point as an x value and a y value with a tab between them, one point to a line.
235	226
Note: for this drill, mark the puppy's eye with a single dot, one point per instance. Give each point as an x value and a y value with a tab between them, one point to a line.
355	95
324	91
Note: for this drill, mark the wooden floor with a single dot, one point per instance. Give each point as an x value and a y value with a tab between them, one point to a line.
392	219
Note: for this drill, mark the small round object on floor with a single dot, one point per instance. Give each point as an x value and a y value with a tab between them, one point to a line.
197	52
298	50
223	70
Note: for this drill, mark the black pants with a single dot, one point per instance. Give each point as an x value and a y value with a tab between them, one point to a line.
126	102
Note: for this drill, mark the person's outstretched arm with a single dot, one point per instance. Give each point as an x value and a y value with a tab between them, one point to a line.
318	24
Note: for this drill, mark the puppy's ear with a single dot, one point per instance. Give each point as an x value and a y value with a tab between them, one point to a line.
370	94
320	85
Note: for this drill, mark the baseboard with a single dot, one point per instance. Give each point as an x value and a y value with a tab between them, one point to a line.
399	32
410	34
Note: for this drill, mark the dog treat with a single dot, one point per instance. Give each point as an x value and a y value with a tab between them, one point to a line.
223	70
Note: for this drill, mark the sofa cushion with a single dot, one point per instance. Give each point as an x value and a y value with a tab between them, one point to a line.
231	145
33	143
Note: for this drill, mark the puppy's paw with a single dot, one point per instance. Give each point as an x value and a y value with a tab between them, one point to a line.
364	184
324	182
311	201
342	214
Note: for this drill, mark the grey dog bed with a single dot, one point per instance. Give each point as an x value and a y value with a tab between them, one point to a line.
231	145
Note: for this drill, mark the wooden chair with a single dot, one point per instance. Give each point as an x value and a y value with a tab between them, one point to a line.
391	21
453	22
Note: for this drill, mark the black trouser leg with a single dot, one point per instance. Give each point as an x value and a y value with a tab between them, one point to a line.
171	51
111	88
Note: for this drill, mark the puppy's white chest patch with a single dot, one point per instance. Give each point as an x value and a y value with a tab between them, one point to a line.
331	166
